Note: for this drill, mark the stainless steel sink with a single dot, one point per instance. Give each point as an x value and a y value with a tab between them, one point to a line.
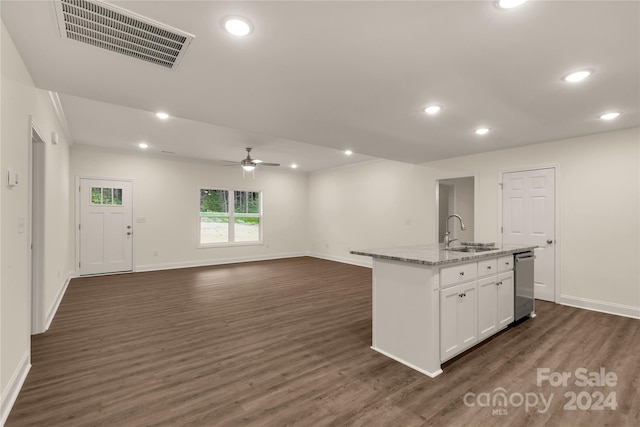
472	249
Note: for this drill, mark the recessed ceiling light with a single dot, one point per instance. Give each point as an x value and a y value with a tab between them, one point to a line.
610	116
143	145
162	116
509	4
294	166
577	76
237	25
433	109
348	152
482	131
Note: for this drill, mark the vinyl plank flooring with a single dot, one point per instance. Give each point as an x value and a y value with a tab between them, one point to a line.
286	342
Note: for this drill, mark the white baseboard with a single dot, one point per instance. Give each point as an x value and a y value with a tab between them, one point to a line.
217	261
601	306
56	303
365	262
10	394
412	366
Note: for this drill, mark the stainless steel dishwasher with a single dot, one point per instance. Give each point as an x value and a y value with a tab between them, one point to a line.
524	301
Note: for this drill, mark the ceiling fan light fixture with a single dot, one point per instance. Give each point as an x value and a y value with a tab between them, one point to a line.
482	131
248	168
162	115
348	152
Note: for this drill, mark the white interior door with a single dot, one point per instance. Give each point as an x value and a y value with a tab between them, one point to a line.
106	234
528	218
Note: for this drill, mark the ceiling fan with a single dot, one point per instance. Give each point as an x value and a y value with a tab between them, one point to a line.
249	164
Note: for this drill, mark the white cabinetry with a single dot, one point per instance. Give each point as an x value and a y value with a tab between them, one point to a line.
476	301
429	304
487	307
505	299
458	319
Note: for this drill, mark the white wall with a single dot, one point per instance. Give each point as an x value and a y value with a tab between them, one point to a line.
378	204
20	100
58	228
464	202
598	196
166	194
598	192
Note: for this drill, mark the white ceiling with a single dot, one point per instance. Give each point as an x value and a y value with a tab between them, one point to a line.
318	77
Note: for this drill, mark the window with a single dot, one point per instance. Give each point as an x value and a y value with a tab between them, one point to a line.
230	216
106	196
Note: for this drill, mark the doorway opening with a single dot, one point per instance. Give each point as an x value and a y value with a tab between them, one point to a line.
456	196
36	190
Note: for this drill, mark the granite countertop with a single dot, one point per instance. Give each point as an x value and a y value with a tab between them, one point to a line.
436	254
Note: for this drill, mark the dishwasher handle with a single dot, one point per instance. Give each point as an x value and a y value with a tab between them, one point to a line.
525	257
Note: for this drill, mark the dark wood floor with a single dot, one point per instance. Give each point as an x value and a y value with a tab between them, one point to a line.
286	342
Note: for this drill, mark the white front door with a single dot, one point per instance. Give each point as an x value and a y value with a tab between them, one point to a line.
528	218
106	234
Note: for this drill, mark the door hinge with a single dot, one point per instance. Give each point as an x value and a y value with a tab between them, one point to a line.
79	264
500	184
79	226
501	230
79	189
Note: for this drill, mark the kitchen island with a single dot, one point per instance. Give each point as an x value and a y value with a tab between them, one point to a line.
431	303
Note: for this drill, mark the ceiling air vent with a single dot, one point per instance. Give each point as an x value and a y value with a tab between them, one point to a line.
109	27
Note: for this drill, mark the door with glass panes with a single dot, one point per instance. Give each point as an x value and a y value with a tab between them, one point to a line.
105	227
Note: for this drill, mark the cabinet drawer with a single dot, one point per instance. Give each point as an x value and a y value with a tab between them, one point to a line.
458	274
505	263
487	267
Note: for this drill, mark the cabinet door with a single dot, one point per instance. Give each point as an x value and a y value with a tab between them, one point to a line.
449	301
505	299
458	322
487	307
468	316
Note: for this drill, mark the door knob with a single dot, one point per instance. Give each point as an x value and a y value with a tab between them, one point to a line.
549	241
128	233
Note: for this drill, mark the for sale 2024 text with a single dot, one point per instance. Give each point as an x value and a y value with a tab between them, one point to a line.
592	399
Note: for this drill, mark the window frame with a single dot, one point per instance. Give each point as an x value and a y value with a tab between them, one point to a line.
231	215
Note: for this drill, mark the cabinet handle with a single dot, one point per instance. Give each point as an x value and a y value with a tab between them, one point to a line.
462	273
507	263
499	283
462	295
488	267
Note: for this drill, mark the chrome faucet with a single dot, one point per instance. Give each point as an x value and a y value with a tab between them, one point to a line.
447	240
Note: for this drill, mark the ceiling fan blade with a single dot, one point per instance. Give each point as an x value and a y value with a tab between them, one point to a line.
269	164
